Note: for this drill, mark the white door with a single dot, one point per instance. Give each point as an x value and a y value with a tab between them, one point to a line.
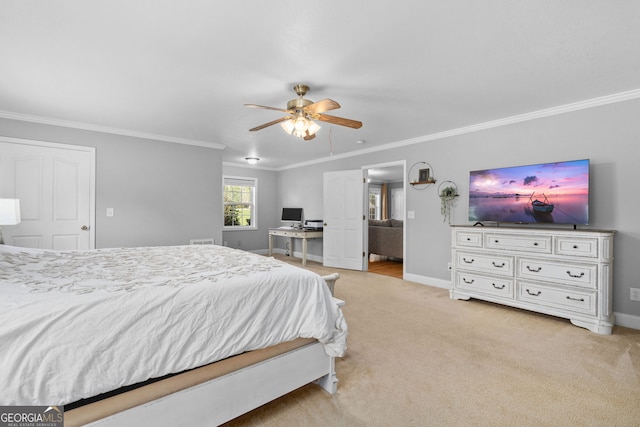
343	199
55	185
397	203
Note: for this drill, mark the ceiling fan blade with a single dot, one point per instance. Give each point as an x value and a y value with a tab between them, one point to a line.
339	121
266	108
275	122
322	106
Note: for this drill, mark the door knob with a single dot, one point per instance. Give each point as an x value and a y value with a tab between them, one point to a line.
84	228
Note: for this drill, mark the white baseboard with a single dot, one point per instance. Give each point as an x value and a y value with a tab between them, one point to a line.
429	281
627	320
310	257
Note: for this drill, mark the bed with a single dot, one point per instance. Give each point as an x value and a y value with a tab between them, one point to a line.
77	324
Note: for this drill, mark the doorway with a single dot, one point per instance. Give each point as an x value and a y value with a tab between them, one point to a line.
384	229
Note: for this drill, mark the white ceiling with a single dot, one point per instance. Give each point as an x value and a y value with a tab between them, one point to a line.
182	70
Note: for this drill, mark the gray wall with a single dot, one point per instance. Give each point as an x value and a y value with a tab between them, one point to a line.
607	135
162	193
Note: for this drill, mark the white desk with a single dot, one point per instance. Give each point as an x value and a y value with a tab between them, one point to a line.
293	233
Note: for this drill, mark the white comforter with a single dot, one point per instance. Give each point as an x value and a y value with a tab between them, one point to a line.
77	324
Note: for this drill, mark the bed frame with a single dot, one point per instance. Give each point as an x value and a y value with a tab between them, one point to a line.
216	393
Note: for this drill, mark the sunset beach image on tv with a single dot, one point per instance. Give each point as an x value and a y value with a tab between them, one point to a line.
541	193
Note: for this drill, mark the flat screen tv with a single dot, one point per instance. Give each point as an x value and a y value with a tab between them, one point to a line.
292	215
542	193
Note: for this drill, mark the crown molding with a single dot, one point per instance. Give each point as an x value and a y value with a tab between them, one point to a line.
547	112
105	129
248	166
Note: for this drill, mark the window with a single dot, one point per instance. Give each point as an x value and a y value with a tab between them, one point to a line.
240	203
374	202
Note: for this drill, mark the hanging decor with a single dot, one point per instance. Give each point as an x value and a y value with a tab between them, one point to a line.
447	191
420	176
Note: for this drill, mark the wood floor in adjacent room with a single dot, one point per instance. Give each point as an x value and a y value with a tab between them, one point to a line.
386	267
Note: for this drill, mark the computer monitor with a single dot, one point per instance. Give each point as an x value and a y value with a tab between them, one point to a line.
292	216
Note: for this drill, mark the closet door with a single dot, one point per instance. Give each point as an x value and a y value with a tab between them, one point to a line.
55	184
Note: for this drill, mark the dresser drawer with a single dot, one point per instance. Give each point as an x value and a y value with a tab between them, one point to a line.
583	275
488	263
577	246
558	297
515	242
487	285
468	239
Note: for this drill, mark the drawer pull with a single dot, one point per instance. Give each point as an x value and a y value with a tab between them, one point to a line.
575	246
535	243
467	261
575	276
501	287
496	241
468	239
575	299
533	270
468	281
534	294
496	265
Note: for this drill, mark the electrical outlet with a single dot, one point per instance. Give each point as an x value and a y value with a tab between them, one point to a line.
635	294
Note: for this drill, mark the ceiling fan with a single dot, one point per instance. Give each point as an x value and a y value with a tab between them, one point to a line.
301	114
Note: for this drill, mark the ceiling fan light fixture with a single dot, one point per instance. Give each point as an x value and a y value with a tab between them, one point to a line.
252	160
300	126
309	129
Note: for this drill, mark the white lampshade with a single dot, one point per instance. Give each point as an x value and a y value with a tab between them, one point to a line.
301	124
9	211
313	127
287	125
300	127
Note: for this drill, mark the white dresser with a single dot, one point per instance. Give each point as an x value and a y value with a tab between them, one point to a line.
565	273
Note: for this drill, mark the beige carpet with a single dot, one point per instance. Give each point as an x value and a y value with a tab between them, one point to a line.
418	358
